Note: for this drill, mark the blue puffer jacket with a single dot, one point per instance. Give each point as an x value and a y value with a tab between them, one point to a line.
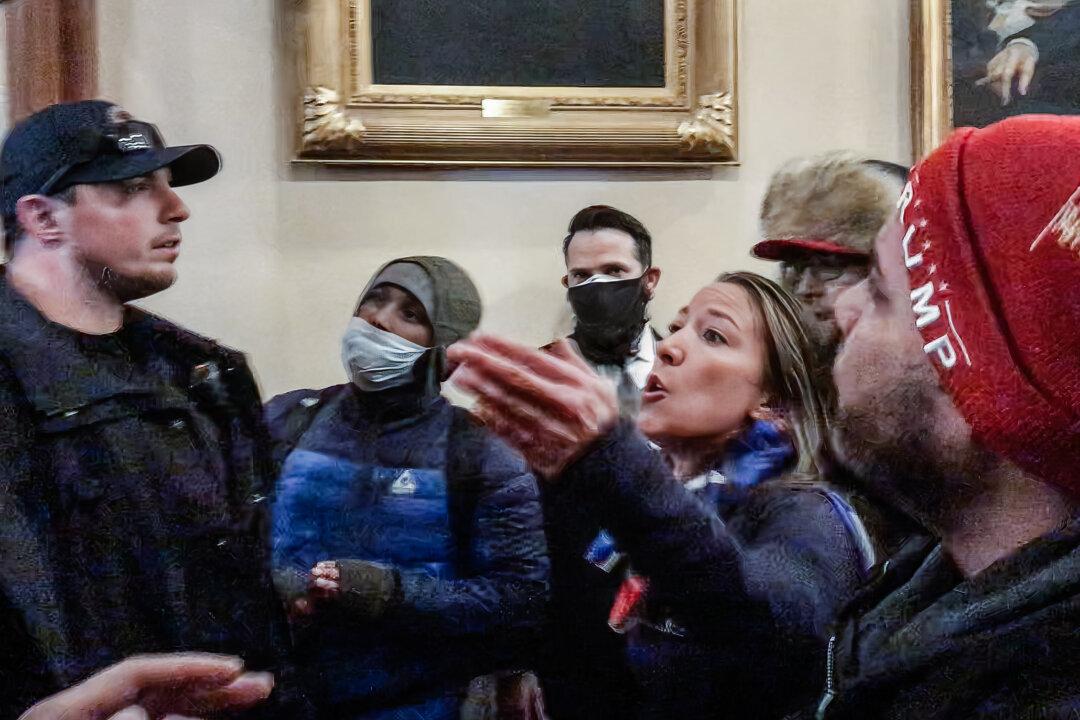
743	576
407	480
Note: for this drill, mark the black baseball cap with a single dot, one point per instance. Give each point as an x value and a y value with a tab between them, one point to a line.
91	141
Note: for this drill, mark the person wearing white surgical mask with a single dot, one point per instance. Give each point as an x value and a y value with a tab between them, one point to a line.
407	541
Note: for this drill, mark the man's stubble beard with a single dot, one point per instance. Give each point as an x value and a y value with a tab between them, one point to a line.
127	288
893	448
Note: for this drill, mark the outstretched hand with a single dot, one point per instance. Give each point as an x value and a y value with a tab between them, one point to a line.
549	405
151	687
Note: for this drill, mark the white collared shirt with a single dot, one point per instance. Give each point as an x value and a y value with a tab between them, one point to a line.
636	368
640	365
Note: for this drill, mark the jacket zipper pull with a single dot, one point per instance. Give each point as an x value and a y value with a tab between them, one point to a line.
830	688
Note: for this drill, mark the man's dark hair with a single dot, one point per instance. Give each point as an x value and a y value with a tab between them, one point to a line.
14	231
893	170
604	217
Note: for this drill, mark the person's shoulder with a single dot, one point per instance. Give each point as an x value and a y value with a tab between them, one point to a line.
305	397
183	339
795	508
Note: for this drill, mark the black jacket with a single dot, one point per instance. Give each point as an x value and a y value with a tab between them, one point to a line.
134	470
752	590
924	642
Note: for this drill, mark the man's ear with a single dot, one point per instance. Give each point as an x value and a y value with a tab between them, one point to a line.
37	216
652	278
566	281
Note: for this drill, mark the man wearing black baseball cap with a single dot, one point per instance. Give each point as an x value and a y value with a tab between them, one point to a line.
133	467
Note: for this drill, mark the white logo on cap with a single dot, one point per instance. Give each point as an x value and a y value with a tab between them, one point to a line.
1065	225
924	303
134	141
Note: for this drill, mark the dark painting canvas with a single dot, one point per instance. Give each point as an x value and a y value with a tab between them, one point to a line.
576	43
1014	56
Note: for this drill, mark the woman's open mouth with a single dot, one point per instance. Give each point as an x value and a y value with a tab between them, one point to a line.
654	390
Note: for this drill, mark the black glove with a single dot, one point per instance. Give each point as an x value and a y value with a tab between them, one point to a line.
368	589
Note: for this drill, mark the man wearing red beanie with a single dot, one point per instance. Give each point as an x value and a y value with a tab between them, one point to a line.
959	392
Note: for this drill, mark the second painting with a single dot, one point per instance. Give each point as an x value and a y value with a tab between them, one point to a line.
979	61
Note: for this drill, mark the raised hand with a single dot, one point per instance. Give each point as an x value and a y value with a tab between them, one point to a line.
549	405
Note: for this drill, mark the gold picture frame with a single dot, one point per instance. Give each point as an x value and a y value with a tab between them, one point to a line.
956	43
348	119
931	74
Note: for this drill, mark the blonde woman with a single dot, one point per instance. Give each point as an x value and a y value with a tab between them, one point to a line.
736	557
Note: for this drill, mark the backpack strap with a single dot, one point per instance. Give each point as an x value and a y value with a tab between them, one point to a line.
465	450
294	420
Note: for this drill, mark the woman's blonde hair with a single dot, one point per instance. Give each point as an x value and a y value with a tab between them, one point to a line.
790	368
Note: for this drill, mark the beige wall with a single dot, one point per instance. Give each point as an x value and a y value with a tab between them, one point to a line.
274	254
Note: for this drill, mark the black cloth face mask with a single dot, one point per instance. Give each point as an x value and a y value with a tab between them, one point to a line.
610	318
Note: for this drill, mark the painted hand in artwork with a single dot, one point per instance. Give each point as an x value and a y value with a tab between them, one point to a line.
1015	63
1045	8
325	579
550	406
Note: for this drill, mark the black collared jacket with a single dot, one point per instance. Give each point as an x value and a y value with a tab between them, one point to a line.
134	471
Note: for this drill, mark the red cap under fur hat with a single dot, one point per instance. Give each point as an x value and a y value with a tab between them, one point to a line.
992	246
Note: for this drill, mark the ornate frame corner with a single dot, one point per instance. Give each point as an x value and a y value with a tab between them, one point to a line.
347	119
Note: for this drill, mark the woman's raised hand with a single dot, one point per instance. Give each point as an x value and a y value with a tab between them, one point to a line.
549	405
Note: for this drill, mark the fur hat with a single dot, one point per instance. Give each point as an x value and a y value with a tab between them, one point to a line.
829	204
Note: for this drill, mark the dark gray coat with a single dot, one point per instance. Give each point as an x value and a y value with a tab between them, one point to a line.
924	642
133	475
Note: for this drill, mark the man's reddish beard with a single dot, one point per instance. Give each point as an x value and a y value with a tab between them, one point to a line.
892	446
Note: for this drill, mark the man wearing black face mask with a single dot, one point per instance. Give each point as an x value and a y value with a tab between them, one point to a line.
610	281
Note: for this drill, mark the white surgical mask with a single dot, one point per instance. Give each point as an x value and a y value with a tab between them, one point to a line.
376	359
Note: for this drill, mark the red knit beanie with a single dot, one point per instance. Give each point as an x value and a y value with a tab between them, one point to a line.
992	247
